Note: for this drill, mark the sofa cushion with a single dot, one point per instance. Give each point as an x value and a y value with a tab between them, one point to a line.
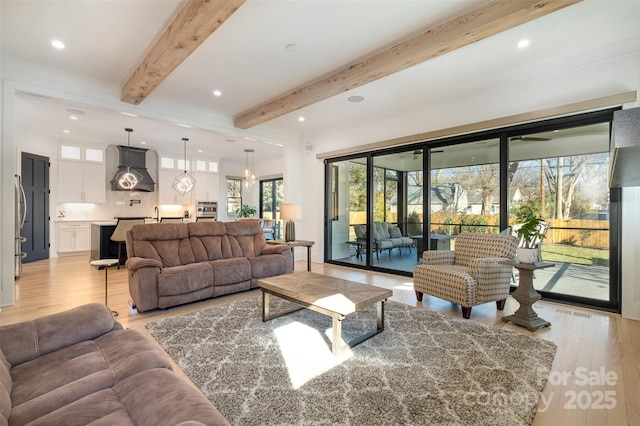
231	271
268	265
55	380
381	230
5	389
28	340
175	401
209	240
395	232
246	238
184	279
361	231
471	245
167	243
98	408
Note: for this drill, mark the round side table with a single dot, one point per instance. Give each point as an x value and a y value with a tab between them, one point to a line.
105	264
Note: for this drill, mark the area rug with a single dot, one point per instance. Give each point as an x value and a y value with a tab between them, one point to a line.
424	368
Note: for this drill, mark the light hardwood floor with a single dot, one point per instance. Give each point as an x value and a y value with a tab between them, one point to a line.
591	344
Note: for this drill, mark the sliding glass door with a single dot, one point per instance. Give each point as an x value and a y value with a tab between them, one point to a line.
382	212
563	174
347	198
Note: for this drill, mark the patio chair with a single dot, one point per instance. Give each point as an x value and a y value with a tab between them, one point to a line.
268	228
471	274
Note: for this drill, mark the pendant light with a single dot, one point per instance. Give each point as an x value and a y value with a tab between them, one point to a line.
249	174
128	178
184	182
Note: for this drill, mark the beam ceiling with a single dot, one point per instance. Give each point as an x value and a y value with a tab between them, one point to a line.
479	24
195	21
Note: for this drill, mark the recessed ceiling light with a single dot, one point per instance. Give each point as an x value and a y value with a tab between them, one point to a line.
247	138
57	44
301	119
66	131
355	98
73	117
185	125
200	151
217	93
143	142
523	43
128	114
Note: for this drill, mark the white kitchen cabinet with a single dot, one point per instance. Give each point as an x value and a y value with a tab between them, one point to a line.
207	186
81	182
73	237
166	193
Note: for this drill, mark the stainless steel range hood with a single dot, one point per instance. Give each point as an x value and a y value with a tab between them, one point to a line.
134	160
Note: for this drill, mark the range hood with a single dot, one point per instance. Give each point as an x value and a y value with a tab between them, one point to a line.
625	154
135	160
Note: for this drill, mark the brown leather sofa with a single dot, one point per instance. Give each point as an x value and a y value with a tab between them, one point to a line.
81	367
174	263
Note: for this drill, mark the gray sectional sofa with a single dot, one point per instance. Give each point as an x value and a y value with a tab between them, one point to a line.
81	367
386	236
174	263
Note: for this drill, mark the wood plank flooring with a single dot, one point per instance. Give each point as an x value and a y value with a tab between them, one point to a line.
591	344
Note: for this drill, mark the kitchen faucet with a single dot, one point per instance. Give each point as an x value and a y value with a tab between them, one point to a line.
157	212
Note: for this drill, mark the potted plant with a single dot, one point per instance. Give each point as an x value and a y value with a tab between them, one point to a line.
528	226
245	210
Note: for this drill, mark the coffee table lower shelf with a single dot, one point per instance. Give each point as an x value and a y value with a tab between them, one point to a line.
338	344
333	297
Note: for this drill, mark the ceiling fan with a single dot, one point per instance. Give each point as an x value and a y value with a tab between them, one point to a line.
418	152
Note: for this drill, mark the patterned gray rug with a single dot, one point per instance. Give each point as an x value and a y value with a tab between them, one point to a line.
425	368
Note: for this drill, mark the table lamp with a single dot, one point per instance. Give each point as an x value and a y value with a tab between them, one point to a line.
289	212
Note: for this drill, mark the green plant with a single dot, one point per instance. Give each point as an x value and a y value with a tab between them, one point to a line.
528	220
245	210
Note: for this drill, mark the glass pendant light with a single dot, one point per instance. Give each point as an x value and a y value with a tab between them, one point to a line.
184	182
249	174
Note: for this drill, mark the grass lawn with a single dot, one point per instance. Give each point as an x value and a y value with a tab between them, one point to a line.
573	254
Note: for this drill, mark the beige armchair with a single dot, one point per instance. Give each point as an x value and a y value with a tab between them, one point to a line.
471	275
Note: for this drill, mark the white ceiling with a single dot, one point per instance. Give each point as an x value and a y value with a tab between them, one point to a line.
248	60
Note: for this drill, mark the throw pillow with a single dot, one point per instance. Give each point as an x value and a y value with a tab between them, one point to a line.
361	231
396	232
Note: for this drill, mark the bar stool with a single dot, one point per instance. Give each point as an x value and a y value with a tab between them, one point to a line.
105	264
120	233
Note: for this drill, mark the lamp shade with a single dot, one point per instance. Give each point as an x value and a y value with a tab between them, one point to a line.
290	211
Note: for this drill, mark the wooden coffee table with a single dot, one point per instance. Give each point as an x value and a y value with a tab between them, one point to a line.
334	297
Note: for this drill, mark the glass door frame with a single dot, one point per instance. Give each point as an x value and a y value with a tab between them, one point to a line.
503	134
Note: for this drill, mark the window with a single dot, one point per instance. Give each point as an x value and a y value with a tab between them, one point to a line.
271	195
234	195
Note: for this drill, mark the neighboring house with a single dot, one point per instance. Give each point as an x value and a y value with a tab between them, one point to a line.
449	197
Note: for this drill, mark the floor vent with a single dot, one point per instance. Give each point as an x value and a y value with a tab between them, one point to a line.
574	313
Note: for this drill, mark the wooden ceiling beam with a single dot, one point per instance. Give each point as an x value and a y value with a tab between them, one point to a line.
479	24
195	21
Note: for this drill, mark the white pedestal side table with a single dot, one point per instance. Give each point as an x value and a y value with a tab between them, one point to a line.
105	264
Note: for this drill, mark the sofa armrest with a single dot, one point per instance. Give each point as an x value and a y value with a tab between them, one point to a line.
135	263
438	257
275	248
28	340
